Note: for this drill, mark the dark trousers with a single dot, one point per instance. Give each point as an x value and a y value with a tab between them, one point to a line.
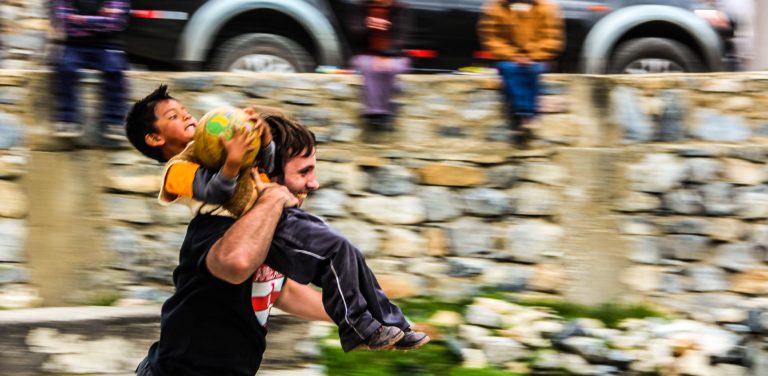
143	368
307	250
521	87
379	85
111	63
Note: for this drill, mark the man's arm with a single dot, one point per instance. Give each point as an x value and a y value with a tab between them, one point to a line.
244	246
302	301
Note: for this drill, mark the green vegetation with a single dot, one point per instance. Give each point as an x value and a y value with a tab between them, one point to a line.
102	298
441	358
434	359
611	314
420	309
479	372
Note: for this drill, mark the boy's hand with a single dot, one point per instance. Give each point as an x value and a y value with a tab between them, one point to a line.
273	190
266	133
260	125
236	148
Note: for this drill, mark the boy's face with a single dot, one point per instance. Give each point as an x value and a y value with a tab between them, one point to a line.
176	127
299	176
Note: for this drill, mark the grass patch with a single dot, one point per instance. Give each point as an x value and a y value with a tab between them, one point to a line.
480	372
102	298
611	314
432	359
420	309
440	358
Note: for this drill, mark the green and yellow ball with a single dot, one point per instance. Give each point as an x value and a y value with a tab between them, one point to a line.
227	122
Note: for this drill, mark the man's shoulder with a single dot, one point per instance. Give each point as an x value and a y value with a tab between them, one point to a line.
205	220
204	226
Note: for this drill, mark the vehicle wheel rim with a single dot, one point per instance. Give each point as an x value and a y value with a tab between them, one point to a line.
653	65
261	63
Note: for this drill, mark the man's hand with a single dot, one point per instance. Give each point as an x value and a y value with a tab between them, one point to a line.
269	191
244	246
377	23
236	148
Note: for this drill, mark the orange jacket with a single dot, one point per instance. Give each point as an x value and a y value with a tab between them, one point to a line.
509	34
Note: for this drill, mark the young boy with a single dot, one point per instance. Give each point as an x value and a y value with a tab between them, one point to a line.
304	248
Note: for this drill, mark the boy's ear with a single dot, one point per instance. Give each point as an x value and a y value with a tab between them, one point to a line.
154	140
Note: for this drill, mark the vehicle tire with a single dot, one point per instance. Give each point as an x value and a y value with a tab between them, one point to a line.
654	55
261	53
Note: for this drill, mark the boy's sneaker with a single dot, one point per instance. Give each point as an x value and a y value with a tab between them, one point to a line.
412	340
384	338
65	129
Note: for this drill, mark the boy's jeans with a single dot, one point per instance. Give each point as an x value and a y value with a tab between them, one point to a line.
521	86
306	249
111	63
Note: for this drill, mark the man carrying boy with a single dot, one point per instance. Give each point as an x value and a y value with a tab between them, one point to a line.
208	326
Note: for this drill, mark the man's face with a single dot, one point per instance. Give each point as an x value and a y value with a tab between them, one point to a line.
300	176
176	127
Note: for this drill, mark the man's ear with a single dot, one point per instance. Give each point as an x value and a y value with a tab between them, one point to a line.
154	140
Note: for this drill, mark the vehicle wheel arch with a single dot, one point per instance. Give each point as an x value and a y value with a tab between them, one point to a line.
639	21
662	29
265	21
207	28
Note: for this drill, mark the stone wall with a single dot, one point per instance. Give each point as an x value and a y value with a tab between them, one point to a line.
112	340
25	32
636	188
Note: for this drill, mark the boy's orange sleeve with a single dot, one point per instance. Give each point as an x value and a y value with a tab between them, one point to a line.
179	178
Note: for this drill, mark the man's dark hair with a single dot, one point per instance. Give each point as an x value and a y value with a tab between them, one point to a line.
291	139
140	122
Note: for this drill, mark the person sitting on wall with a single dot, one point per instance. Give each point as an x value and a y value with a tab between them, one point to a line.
92	31
380	26
526	35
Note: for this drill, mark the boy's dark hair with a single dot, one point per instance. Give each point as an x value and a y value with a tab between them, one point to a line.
291	139
140	122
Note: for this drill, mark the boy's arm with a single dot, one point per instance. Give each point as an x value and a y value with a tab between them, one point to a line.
213	187
192	180
184	178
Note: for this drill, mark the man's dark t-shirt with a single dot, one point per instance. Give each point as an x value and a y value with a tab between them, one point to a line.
208	326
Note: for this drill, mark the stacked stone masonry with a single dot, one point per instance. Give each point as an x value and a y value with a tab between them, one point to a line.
444	205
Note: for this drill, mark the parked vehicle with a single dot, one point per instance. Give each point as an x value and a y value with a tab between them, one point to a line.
608	36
